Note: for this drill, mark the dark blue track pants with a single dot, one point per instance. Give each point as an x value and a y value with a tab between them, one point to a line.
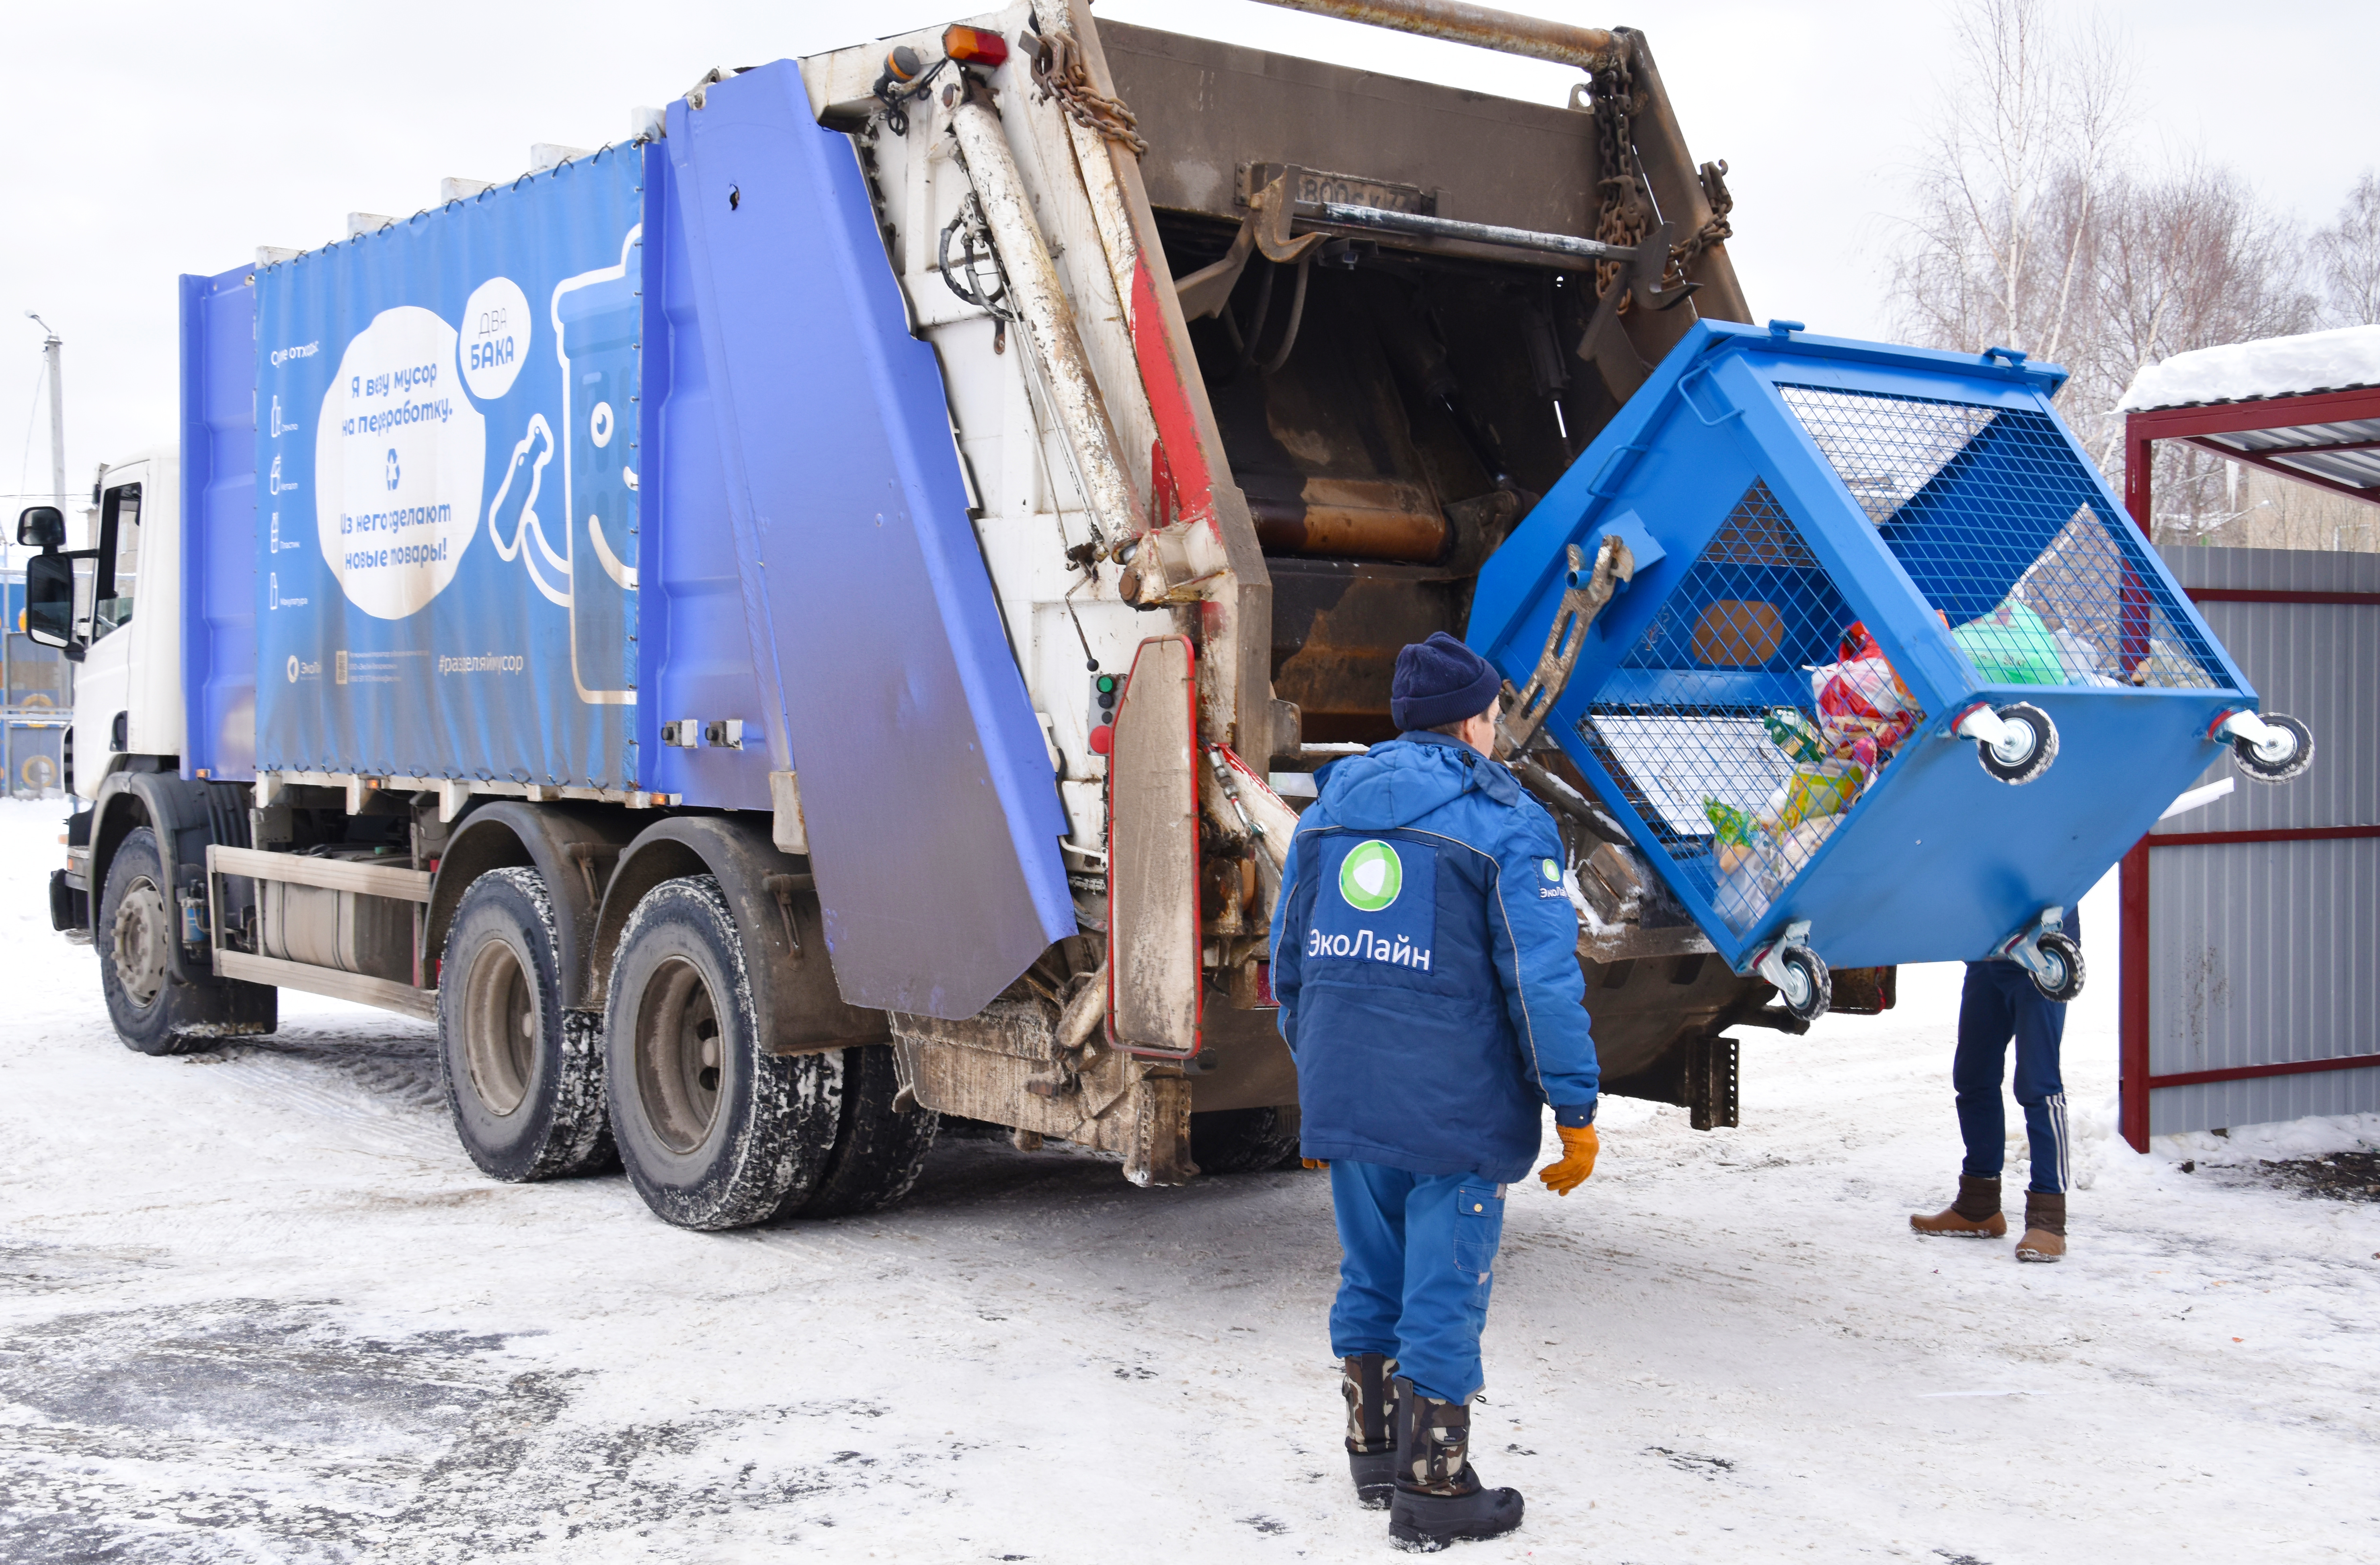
1420	1258
2000	1002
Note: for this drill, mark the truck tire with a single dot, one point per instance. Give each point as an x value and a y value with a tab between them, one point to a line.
877	1149
524	1079
715	1133
1230	1141
134	934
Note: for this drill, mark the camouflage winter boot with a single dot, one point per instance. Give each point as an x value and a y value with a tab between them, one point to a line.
1439	1499
1974	1215
2044	1228
1368	1381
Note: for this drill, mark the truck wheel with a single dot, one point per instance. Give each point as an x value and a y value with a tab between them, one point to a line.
134	933
714	1132
878	1149
524	1085
1230	1141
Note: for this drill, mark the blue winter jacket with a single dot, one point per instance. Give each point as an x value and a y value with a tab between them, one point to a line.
1426	958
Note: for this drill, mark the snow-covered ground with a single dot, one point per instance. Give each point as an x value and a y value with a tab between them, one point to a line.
256	1305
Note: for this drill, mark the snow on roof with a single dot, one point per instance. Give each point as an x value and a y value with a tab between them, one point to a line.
2317	361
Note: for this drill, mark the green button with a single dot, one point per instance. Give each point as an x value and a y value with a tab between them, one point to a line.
1107	683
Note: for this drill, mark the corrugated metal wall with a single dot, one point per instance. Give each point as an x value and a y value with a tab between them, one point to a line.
2261	952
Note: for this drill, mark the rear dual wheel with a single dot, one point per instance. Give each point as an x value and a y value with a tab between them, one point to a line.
523	1078
715	1131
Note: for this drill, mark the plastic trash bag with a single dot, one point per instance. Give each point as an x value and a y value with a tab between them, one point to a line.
1820	789
2012	645
1860	683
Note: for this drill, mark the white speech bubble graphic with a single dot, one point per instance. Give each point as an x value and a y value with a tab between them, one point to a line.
496	331
398	460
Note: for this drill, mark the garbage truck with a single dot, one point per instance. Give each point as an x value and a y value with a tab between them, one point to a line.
821	615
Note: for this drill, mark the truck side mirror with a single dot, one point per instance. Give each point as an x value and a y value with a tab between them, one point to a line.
49	592
41	527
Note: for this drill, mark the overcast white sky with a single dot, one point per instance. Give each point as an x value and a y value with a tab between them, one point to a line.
158	139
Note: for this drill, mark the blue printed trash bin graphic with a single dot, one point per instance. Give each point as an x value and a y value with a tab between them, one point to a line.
595	323
1895	676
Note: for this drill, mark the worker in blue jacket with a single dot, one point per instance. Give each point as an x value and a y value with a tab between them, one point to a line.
1425	954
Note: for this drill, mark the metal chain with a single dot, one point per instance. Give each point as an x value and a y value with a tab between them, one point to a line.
1717	231
1622	220
1626	212
1058	71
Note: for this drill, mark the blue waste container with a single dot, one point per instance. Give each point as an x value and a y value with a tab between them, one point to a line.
1894	677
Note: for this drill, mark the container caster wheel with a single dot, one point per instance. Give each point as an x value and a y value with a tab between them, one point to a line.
2269	750
2015	742
1807	990
1796	973
2059	975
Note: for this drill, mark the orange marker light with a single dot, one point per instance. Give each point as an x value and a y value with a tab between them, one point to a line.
976	47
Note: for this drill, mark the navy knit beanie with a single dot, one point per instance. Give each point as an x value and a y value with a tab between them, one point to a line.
1440	681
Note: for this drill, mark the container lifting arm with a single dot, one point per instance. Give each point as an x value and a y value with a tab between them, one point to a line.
1039	300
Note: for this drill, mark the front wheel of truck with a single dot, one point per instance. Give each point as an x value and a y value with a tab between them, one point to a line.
716	1132
524	1079
134	933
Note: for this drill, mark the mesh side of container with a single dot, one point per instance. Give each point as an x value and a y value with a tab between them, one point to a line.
2005	531
1736	728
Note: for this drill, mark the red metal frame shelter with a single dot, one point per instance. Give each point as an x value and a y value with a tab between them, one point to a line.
2327	439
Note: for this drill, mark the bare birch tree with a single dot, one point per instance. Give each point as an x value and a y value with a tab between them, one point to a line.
2185	259
2007	201
2036	229
2348	255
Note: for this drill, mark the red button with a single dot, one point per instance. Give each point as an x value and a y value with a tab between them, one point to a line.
1102	739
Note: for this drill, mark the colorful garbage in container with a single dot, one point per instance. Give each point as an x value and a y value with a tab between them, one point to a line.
1895	678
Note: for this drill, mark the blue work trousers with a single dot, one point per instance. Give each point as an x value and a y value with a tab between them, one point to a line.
1420	1257
2000	1002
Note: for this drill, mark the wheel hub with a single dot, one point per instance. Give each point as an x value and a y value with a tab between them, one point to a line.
678	1055
140	933
2017	742
500	1027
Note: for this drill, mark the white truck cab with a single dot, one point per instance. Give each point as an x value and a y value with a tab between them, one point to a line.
113	606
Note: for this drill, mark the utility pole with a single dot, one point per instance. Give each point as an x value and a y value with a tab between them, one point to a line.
53	350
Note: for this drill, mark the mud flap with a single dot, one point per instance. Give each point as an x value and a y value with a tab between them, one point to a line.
1153	936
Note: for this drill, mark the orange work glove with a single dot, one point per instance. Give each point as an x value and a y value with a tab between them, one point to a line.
1314	1162
1577	1161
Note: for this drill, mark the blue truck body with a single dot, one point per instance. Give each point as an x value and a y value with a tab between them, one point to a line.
492	494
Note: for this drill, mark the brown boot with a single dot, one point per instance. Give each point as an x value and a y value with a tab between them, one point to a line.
1974	1215
2044	1228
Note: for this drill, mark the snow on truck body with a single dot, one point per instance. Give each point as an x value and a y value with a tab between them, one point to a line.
784	621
